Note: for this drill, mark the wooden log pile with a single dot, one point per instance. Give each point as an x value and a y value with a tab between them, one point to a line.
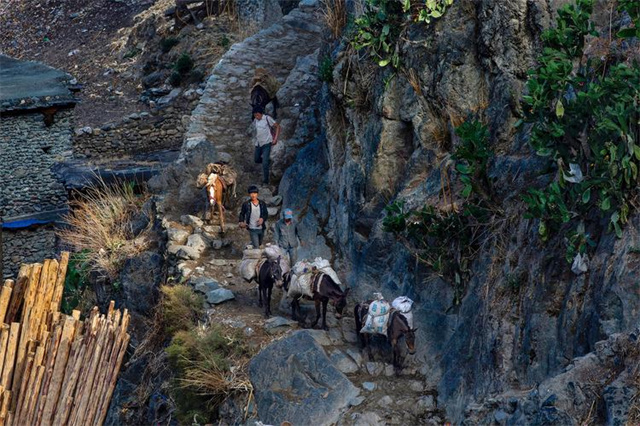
55	369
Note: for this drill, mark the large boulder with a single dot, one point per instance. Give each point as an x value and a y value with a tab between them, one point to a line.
295	381
140	278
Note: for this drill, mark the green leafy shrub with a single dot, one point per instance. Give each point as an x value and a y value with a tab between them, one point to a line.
584	115
472	158
378	30
184	64
166	44
132	53
325	69
427	10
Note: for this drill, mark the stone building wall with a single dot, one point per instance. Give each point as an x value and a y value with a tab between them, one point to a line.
28	150
29	245
145	132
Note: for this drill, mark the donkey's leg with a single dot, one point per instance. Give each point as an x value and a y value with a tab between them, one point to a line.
268	291
294	316
259	295
325	301
317	313
221	211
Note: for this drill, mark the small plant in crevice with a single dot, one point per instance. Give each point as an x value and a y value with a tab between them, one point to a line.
427	10
585	116
166	44
472	158
184	64
224	42
75	282
335	15
325	69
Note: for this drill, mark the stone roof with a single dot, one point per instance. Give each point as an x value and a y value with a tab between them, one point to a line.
26	85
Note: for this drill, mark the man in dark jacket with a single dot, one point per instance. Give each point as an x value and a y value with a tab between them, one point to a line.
253	216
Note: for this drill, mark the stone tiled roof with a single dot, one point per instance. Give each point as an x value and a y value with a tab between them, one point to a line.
26	85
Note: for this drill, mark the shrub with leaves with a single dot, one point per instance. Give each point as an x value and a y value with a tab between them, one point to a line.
472	158
184	64
584	114
427	10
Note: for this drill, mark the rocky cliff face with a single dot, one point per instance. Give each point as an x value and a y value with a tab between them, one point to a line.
521	316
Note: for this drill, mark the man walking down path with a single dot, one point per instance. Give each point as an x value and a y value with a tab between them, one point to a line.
253	216
267	132
287	236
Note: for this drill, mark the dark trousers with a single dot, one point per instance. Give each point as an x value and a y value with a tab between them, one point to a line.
263	155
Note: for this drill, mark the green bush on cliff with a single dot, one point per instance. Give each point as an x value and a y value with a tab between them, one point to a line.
379	28
584	112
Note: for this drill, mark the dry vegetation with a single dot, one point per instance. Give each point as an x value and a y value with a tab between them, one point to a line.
99	225
334	14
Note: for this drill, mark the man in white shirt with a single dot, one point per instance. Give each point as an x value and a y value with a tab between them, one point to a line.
267	132
253	216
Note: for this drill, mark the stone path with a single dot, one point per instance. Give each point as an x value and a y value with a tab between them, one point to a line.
223	115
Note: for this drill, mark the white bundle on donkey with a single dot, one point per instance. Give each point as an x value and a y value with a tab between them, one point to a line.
253	258
303	274
377	317
404	305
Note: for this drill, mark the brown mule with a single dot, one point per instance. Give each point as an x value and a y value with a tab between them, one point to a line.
397	328
215	192
324	289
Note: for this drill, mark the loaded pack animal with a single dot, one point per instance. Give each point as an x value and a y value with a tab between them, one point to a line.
269	273
220	184
263	91
324	290
397	327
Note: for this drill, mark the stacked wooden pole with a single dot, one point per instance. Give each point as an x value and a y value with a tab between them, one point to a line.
54	368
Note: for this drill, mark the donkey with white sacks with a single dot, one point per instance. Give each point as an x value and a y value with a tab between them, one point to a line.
393	321
317	282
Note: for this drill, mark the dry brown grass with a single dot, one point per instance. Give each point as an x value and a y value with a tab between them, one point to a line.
334	14
100	224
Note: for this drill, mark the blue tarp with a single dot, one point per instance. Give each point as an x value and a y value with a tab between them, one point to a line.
24	223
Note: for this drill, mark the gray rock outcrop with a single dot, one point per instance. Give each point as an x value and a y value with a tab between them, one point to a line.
295	381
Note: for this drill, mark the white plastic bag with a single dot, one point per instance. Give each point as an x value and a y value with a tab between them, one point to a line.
324	266
580	264
301	286
273	252
402	304
248	268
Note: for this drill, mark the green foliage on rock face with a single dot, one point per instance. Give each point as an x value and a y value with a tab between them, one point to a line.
584	114
445	238
184	64
75	281
325	69
379	28
428	10
472	158
167	43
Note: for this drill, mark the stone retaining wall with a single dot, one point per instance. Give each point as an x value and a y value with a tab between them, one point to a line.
28	150
162	128
29	245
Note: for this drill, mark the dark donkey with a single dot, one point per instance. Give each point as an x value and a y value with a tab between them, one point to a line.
398	326
269	273
324	289
260	97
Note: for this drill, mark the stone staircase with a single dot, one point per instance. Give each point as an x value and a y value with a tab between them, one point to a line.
223	115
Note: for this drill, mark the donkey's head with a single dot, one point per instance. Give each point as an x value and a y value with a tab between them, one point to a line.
409	333
275	271
341	303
